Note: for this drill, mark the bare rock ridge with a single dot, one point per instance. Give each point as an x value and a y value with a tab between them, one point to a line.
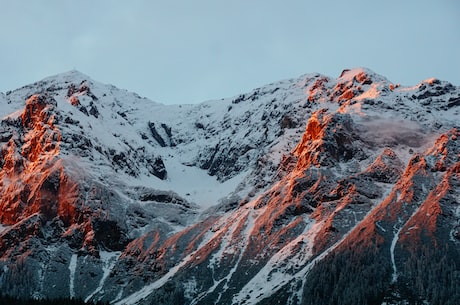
314	190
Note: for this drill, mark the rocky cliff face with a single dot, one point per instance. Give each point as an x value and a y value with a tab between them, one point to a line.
307	191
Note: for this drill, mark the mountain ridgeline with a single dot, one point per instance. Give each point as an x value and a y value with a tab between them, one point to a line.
314	190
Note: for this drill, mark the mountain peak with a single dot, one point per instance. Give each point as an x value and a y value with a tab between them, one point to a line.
71	75
296	192
362	75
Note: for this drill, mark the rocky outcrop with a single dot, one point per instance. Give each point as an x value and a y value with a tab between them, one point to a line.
56	215
331	191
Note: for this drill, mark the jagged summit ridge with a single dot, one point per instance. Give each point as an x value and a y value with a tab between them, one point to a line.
297	191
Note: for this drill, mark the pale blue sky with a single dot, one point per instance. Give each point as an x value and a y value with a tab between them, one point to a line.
180	51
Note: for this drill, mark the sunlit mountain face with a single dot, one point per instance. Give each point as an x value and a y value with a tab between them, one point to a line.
314	190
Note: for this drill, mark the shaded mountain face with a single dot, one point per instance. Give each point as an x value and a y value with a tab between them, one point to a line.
307	191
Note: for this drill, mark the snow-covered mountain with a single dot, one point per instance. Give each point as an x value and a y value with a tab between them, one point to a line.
312	190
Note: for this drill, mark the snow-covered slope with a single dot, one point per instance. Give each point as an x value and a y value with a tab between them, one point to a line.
247	200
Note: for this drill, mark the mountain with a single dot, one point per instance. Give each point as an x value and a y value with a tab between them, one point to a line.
314	190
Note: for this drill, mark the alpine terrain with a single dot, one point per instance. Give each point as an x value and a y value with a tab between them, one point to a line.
314	190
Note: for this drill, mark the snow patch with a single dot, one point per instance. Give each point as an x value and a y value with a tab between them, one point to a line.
394	276
380	226
275	272
72	269
13	115
394	241
372	93
196	185
349	74
148	289
108	260
189	182
227	248
190	288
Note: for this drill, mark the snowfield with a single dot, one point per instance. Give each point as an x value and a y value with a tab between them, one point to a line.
289	193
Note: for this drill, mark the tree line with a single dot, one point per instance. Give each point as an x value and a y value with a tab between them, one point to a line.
8	300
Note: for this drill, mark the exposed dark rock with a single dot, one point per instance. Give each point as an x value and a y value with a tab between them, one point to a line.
158	168
324	202
386	168
436	88
199	125
72	89
83	110
168	132
156	135
93	110
163	197
287	122
109	234
453	101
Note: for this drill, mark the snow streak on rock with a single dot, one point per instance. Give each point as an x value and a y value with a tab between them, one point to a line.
394	277
72	269
246	200
108	259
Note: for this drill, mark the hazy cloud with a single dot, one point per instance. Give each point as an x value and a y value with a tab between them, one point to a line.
391	132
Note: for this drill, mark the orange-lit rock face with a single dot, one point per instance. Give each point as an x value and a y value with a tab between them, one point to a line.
34	111
13	161
313	128
443	151
327	139
363	79
42	138
312	138
350	87
442	199
32	173
73	100
338	196
318	91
